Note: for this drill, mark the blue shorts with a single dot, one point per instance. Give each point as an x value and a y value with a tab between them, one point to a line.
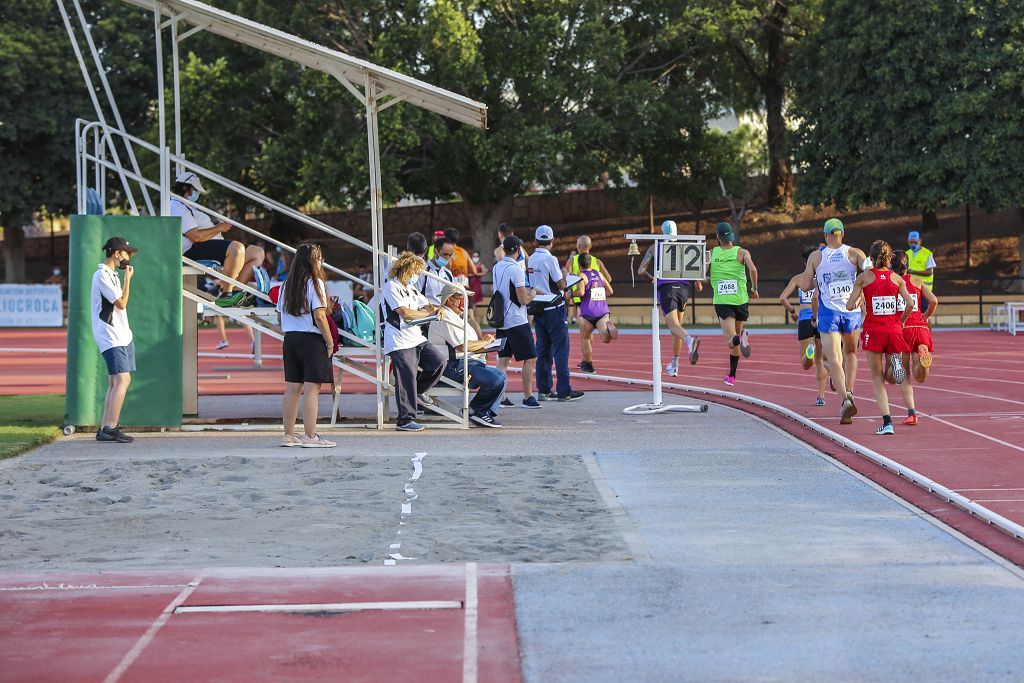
120	359
834	321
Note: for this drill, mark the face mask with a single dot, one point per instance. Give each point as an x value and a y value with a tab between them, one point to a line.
915	248
194	196
441	261
56	271
122	264
476	258
413	279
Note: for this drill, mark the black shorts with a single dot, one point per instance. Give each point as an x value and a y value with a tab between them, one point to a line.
520	343
593	320
210	250
805	329
741	313
305	358
672	296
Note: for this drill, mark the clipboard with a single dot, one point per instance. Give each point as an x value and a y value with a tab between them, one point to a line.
571	280
406	324
547	298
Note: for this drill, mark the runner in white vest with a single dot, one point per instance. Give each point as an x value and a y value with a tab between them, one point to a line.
834	270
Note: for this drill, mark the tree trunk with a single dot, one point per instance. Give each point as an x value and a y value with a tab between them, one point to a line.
929	221
1018	285
483	220
14	254
780	187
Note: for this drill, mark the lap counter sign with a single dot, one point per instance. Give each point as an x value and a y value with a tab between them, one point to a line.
681	257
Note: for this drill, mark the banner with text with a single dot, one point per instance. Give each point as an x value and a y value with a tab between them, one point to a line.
31	306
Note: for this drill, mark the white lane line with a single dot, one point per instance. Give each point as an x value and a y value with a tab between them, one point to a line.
88	587
35	350
979	379
394	555
1000	500
147	637
324	607
469	642
995	488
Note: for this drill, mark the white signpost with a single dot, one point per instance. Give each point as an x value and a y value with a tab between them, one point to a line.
31	306
681	257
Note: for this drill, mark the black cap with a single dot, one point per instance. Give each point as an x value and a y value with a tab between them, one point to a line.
116	243
511	243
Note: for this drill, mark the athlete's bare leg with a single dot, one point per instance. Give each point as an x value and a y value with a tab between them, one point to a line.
878	381
820	373
586	339
849	360
806	362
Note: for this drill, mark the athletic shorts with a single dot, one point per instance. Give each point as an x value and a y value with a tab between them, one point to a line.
741	312
672	296
883	340
305	358
593	320
805	329
520	344
210	250
120	359
915	336
836	321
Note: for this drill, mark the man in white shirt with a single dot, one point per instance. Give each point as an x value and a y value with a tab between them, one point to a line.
448	333
510	280
201	240
550	321
109	304
438	267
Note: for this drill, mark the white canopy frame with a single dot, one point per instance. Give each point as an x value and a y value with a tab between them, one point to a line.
380	88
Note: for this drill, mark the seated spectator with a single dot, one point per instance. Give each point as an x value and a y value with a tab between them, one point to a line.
448	332
416	363
438	267
202	240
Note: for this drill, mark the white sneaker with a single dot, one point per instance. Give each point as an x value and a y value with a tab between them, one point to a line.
316	442
223	344
290	440
672	370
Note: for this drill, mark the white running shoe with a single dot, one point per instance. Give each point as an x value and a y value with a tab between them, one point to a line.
672	370
223	344
693	346
316	441
898	373
290	441
745	344
886	429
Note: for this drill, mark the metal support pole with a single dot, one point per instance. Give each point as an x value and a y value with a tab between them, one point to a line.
158	34
176	76
79	172
165	181
377	233
656	345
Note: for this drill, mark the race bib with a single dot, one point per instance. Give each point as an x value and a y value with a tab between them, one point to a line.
901	305
806	297
840	291
883	305
726	287
597	294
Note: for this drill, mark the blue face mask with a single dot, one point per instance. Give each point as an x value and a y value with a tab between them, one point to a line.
194	197
915	248
441	261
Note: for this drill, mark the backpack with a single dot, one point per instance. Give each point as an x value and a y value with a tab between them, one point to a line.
262	284
363	322
496	309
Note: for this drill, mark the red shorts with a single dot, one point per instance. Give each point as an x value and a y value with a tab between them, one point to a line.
915	336
883	340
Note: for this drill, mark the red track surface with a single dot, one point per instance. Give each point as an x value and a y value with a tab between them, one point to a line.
86	632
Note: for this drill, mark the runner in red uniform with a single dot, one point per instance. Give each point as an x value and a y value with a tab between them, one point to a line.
917	334
883	326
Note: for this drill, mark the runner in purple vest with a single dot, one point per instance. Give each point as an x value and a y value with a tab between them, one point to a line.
593	311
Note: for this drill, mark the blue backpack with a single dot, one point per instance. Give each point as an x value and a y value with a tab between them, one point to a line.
363	322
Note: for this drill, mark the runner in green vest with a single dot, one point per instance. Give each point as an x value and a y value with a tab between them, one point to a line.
728	272
921	261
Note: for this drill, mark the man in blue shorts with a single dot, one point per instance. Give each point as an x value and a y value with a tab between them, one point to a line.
113	336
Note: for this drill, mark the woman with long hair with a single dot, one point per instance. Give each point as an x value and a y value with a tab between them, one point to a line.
308	345
916	333
416	364
882	333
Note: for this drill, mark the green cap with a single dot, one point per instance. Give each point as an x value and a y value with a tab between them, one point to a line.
832	225
724	231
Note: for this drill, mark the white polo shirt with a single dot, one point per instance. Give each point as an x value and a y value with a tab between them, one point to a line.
506	270
188	221
399	295
448	331
544	269
303	322
109	323
432	288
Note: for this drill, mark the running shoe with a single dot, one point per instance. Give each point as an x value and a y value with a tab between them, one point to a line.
613	332
586	366
910	420
819	402
693	344
745	344
925	355
316	441
230	300
809	352
410	426
730	380
672	370
531	403
113	435
425	399
898	373
223	344
505	403
290	441
571	396
886	429
546	396
849	410
484	419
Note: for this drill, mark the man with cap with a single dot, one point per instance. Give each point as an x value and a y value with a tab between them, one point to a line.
202	240
920	261
449	333
833	270
509	280
672	297
109	304
728	273
550	320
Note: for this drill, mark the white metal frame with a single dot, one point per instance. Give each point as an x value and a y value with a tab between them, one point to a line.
656	405
380	88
